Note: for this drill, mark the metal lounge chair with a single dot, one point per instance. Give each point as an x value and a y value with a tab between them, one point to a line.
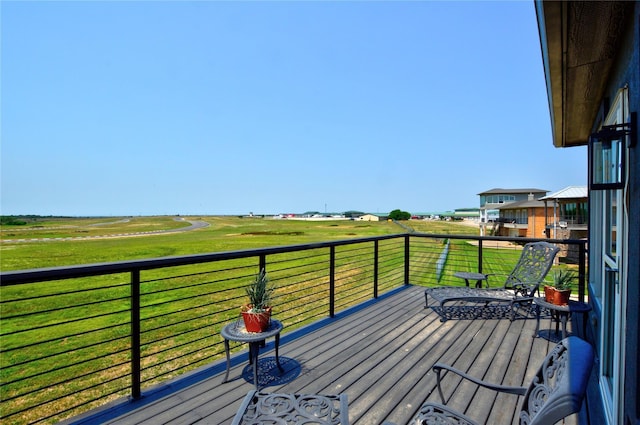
556	391
519	287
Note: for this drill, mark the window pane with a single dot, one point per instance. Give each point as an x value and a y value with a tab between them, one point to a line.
608	323
612	224
607	162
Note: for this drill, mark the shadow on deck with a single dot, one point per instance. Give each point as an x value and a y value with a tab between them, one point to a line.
379	355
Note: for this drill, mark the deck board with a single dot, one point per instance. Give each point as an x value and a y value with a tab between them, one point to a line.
381	357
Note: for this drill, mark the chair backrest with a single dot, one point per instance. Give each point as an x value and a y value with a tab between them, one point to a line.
559	386
535	261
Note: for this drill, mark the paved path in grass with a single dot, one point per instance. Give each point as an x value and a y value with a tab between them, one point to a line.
194	224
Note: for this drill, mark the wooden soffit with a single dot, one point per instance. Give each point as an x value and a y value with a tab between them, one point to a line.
580	42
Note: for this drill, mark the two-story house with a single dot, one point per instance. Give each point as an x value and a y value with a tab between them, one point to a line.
493	200
522	219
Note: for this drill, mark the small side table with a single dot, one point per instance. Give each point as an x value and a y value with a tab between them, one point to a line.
467	276
561	313
236	331
258	408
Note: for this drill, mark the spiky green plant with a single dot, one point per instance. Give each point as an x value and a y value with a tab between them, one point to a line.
260	292
563	279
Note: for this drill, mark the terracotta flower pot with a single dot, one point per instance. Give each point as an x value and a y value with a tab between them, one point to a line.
256	322
548	293
561	297
556	296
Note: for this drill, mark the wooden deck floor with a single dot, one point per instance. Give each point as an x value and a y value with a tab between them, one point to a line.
380	356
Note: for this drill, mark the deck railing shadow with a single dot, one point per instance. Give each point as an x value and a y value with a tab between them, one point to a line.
75	338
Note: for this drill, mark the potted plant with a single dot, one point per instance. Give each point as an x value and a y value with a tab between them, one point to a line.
257	313
559	290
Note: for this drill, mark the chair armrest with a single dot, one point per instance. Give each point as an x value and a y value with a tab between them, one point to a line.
530	288
517	284
439	367
435	413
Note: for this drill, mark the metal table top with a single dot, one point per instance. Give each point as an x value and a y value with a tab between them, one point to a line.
236	331
572	307
470	275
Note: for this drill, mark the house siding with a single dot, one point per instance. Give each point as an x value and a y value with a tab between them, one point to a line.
626	73
536	227
631	75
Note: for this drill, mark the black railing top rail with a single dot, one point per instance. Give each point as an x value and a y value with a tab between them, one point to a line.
498	238
17	277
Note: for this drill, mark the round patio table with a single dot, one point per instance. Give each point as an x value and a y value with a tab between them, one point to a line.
236	331
467	276
561	313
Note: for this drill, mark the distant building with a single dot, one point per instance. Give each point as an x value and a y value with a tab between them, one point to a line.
368	217
526	219
492	200
569	213
472	214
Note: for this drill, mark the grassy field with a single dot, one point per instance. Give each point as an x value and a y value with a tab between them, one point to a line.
66	344
76	333
74	336
71	241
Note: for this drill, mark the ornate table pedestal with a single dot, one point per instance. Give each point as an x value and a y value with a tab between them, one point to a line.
260	408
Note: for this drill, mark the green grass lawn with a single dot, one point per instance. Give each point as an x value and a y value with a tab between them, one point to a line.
444	227
98	242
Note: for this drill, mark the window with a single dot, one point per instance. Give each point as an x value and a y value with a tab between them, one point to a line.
574	212
496	199
607	162
607	147
608	150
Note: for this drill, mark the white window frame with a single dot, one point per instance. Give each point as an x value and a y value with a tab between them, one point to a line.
610	269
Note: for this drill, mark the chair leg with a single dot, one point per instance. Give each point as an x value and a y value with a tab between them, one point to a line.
443	315
438	379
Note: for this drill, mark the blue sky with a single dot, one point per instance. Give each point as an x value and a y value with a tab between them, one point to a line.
141	108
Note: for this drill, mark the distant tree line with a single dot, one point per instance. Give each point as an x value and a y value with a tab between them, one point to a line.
21	220
10	220
399	215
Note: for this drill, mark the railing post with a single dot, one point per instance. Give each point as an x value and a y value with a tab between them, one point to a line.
582	259
332	280
135	334
262	263
406	259
479	255
375	268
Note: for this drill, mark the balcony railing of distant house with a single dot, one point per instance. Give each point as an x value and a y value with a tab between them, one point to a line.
77	337
520	221
572	220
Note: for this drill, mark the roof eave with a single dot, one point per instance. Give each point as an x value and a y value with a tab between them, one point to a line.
579	42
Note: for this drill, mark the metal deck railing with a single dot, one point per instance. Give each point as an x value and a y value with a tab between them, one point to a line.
75	338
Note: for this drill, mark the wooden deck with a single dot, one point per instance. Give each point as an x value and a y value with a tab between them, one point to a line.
380	356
